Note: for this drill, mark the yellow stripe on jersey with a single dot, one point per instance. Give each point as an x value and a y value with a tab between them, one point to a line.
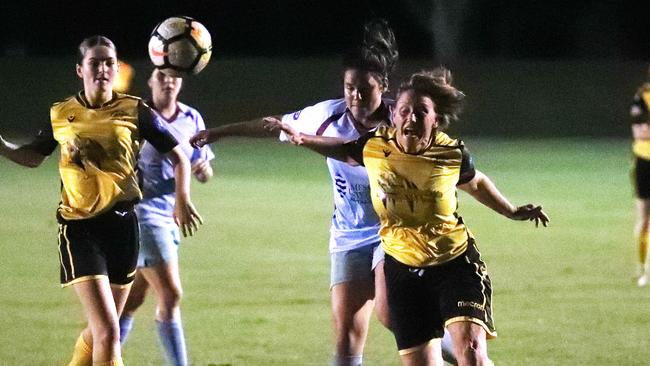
415	198
98	154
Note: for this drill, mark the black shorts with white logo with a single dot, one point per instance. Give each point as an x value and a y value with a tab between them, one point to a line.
641	177
422	301
103	246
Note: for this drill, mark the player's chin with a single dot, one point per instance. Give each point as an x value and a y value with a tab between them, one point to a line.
359	113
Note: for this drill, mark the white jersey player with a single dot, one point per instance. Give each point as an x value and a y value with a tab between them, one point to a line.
357	278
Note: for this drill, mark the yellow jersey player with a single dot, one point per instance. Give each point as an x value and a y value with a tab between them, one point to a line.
99	132
435	276
640	118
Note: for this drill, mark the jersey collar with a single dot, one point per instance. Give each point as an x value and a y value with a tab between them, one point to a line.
81	98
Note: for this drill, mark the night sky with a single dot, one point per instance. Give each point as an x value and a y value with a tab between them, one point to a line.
440	29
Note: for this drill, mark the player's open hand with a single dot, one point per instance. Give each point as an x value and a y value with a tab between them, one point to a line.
531	212
186	217
274	124
200	139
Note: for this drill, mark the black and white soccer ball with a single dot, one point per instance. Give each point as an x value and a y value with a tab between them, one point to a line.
180	46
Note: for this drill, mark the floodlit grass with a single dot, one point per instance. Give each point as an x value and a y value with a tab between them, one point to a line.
256	275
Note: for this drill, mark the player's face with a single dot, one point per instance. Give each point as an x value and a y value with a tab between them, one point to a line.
164	88
98	69
362	93
415	119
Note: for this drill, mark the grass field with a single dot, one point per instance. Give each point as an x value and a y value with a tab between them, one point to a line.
256	275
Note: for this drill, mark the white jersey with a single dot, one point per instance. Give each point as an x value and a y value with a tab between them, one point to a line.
354	223
156	171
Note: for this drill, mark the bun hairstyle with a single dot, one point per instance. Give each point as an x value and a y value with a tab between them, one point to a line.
437	84
377	53
91	42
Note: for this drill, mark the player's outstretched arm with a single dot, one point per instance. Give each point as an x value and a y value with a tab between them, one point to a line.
483	190
332	147
251	128
185	214
22	155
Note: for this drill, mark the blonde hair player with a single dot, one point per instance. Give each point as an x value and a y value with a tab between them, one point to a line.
435	276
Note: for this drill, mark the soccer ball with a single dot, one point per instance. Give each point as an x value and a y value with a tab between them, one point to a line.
180	46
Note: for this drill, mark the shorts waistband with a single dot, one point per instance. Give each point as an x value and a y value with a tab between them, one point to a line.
121	206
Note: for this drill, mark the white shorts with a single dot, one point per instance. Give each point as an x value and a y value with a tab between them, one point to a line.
158	244
355	264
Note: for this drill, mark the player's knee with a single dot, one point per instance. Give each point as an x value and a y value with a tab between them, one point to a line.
472	351
106	336
171	298
134	301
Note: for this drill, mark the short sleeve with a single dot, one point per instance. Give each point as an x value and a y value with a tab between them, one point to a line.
44	142
355	148
467	170
314	119
152	130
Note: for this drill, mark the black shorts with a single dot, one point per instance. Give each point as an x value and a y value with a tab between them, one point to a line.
103	246
641	177
422	301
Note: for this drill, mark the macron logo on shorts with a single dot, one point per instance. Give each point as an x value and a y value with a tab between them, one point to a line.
470	304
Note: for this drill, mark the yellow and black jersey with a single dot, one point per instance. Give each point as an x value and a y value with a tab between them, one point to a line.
640	113
415	196
99	148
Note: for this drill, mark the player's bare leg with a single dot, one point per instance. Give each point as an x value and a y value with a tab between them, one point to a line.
427	354
352	304
102	304
470	345
166	282
381	297
641	229
135	299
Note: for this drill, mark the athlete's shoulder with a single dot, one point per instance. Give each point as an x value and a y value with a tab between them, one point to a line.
124	96
64	102
383	132
127	99
187	110
333	105
442	139
327	110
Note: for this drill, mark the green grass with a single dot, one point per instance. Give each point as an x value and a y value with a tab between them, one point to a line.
256	275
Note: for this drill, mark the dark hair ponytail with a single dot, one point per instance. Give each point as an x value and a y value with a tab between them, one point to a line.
377	52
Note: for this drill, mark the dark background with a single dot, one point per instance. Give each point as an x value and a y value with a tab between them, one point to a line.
529	68
503	28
